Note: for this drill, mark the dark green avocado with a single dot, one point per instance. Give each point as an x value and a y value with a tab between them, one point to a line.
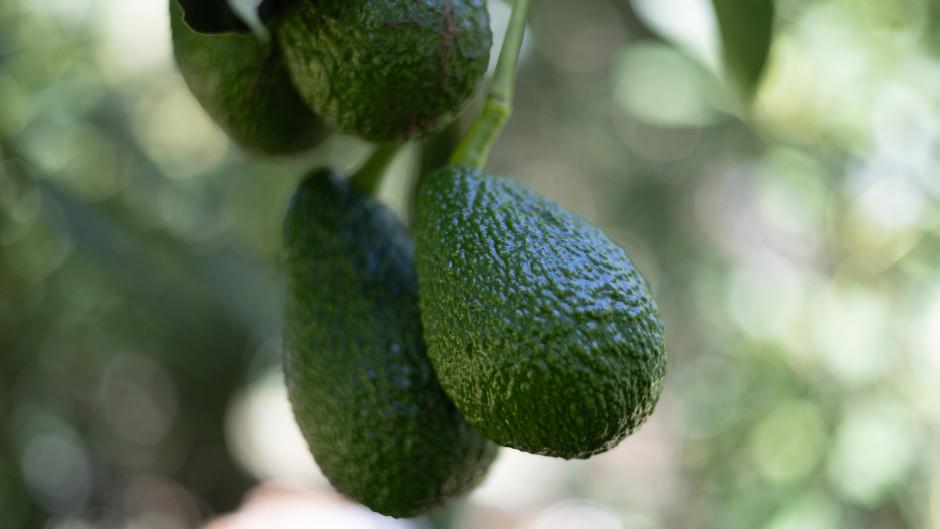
363	390
538	326
244	86
387	69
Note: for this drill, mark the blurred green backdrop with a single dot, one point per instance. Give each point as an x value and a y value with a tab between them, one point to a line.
794	250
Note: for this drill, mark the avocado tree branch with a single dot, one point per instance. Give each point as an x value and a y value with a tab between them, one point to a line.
486	128
369	176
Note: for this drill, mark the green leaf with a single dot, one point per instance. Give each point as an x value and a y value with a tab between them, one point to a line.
933	28
746	34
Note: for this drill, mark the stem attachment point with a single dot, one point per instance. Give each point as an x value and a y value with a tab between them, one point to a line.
486	128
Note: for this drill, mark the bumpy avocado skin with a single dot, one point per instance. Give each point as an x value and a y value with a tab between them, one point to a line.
362	388
538	326
387	69
244	86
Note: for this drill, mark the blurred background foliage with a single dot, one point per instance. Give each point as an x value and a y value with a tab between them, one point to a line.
794	248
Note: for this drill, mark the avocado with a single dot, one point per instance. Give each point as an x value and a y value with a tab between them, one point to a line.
538	326
386	69
244	86
362	388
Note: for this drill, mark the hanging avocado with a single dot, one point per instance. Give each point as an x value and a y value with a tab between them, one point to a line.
244	86
539	327
386	69
363	390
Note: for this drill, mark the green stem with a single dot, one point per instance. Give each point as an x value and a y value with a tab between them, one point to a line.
369	176
475	147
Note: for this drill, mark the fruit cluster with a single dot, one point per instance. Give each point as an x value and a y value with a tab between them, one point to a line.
383	70
500	319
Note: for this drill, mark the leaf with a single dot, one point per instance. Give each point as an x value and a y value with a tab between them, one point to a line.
746	35
933	29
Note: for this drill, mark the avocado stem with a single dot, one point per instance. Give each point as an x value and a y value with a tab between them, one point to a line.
475	147
369	177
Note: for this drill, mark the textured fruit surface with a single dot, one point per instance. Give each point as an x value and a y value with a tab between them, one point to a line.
539	327
362	388
244	86
387	69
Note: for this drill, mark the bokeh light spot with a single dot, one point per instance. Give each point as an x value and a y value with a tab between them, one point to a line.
57	470
690	23
592	29
177	132
765	298
926	350
265	438
787	445
874	451
660	86
518	479
582	515
44	248
137	399
813	511
136	38
850	328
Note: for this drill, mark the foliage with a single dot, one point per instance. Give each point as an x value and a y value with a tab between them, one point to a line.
746	34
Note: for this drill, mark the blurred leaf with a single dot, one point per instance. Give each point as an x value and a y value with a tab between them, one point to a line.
746	34
933	27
